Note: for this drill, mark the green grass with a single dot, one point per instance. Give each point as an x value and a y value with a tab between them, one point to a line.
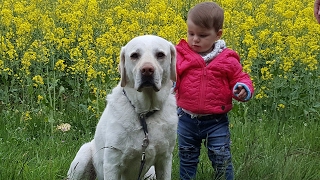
269	149
262	148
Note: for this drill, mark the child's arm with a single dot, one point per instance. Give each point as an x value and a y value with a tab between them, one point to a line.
239	82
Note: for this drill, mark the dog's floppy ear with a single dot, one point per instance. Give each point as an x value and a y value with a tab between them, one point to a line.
122	69
173	52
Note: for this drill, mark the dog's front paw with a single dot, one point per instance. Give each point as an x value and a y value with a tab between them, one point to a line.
150	175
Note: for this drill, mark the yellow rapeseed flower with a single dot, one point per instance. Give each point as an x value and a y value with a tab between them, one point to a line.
39	99
60	66
75	53
38	80
287	64
273	38
91	74
261	93
1	65
280	106
26	116
266	75
7	17
26	60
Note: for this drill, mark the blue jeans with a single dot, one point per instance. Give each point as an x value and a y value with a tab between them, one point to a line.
216	135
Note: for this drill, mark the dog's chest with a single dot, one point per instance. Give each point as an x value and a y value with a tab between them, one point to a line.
161	136
158	145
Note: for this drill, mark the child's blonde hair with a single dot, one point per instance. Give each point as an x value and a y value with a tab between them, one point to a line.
207	15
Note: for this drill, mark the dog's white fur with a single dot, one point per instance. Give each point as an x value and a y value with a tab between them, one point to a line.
147	66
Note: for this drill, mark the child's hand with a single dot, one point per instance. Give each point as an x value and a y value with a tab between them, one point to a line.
240	92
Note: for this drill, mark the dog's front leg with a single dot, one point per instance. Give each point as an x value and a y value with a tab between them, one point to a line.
111	172
163	168
111	164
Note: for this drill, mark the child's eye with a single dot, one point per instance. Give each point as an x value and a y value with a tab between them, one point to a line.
190	34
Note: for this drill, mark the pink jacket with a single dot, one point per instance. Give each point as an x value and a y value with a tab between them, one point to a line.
208	89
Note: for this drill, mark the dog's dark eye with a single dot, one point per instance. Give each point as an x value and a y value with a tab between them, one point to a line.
134	56
160	55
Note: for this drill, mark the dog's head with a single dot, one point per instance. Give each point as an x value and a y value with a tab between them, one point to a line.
147	62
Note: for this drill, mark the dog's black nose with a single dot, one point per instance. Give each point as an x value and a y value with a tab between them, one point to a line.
147	69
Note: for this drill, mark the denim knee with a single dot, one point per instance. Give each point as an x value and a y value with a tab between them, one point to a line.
189	159
221	162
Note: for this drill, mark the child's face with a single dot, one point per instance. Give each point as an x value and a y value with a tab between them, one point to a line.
200	39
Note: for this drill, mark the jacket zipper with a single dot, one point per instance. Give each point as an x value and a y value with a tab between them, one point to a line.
202	89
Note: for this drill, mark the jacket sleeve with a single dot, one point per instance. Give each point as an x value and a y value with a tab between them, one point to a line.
237	77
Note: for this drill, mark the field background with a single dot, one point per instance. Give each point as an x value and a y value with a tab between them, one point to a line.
58	60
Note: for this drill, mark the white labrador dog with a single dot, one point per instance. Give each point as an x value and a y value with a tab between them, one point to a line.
147	66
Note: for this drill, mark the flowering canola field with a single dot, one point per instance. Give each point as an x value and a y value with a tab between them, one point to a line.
60	52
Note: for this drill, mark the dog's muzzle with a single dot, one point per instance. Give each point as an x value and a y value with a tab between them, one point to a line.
147	78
